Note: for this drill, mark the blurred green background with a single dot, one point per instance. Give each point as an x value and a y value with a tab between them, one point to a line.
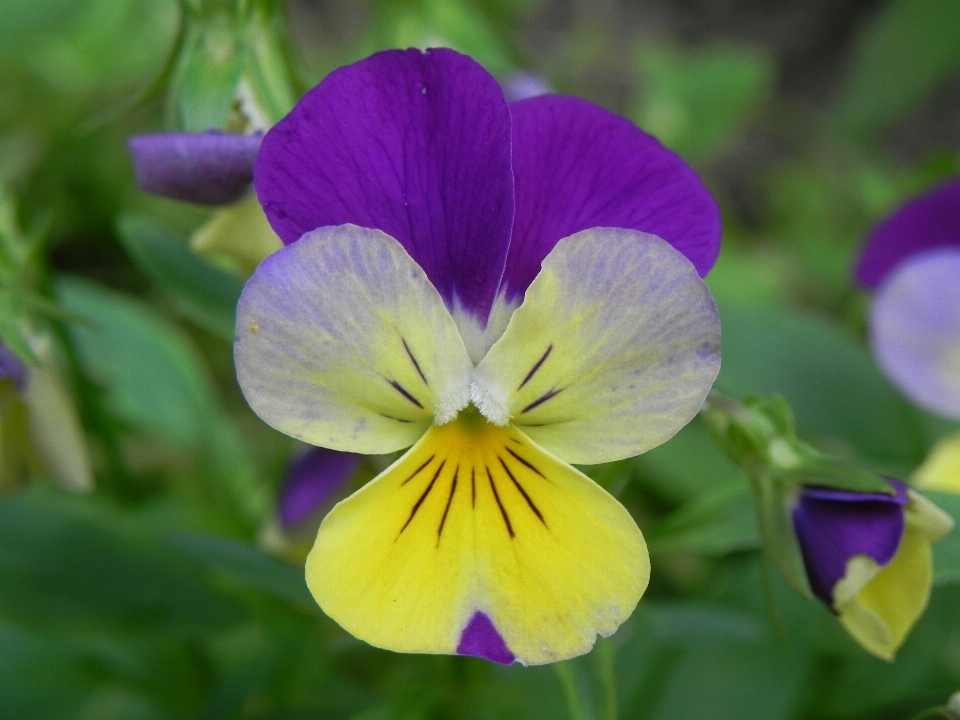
170	591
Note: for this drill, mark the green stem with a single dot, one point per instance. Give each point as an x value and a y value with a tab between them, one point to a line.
608	678
571	691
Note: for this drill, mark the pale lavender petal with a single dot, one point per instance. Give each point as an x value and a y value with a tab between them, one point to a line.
578	166
312	479
12	367
414	144
481	639
834	525
927	222
915	329
524	85
211	168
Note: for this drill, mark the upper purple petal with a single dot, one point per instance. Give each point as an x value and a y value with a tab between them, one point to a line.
416	144
927	222
833	525
211	168
481	639
12	367
311	480
577	166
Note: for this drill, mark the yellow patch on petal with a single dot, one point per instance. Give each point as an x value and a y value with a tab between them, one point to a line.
478	519
239	232
941	470
880	615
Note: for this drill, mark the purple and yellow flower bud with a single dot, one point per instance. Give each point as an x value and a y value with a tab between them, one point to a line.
868	557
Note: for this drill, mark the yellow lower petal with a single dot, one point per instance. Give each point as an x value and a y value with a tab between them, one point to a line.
477	519
886	608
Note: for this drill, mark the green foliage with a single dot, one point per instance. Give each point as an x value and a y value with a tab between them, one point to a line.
909	49
696	103
202	292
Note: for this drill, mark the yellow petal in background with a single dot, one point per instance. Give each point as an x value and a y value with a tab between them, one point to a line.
240	233
941	470
479	541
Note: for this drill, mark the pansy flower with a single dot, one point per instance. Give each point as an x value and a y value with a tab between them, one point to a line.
40	433
913	261
508	289
868	557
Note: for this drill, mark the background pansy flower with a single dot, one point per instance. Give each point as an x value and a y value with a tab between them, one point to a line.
40	432
423	207
868	557
913	259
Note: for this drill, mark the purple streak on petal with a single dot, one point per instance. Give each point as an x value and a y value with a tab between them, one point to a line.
312	479
915	329
927	222
481	639
578	166
414	144
834	525
12	367
211	168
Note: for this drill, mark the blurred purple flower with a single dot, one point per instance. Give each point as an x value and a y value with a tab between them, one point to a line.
311	480
210	168
913	260
925	223
12	368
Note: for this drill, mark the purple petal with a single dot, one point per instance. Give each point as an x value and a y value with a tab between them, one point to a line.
578	166
834	525
414	144
915	329
211	168
481	639
312	479
12	367
927	222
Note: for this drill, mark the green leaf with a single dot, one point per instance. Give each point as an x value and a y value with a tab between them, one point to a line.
248	567
204	293
209	71
151	375
716	523
67	562
779	538
946	553
835	474
839	398
911	47
695	102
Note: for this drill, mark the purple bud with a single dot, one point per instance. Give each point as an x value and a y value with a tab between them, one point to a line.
834	525
211	168
311	480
